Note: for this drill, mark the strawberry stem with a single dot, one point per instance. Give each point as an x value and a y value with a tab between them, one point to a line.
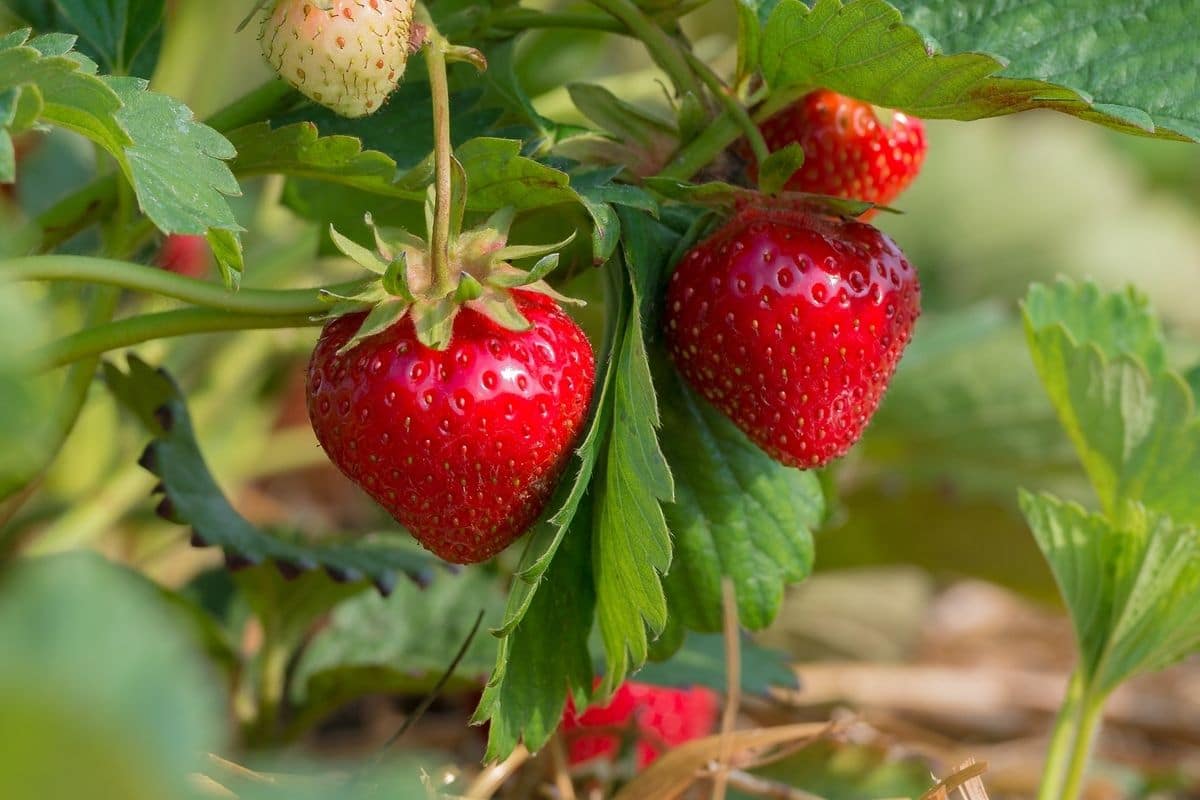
665	51
439	245
732	105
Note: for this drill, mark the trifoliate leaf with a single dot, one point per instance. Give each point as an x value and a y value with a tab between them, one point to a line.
1133	588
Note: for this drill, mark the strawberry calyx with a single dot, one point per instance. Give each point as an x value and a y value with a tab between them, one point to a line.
481	279
726	197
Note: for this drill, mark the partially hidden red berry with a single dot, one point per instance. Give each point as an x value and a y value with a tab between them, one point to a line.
655	717
792	324
848	152
184	254
463	446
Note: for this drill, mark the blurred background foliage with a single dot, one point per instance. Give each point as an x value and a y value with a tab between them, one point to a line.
1000	203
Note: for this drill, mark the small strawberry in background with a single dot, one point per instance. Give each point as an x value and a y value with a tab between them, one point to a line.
848	151
185	255
792	323
651	718
347	55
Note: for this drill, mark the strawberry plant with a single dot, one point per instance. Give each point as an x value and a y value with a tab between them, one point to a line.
527	356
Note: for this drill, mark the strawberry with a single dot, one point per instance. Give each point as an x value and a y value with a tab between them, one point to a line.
791	323
347	55
656	717
184	254
847	152
455	412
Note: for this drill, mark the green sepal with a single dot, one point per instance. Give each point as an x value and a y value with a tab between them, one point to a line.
541	287
500	222
395	279
520	251
507	276
778	168
434	321
369	296
382	317
357	253
468	288
498	306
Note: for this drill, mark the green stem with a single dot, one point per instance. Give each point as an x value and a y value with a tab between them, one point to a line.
93	341
733	107
663	49
1061	739
272	679
435	59
723	132
141	278
1092	713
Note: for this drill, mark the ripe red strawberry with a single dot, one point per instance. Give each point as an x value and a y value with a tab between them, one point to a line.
184	254
791	323
657	718
463	446
847	151
347	55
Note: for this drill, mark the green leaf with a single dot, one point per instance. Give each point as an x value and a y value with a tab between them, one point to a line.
94	666
836	769
631	546
192	497
736	514
300	151
1133	590
624	121
752	16
506	705
500	176
1081	59
123	36
546	656
398	644
1132	421
74	97
599	194
700	661
176	163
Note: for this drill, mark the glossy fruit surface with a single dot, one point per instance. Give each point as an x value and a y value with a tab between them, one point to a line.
463	446
347	55
792	323
655	718
848	152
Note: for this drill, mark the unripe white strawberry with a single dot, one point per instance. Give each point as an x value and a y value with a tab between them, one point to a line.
347	55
